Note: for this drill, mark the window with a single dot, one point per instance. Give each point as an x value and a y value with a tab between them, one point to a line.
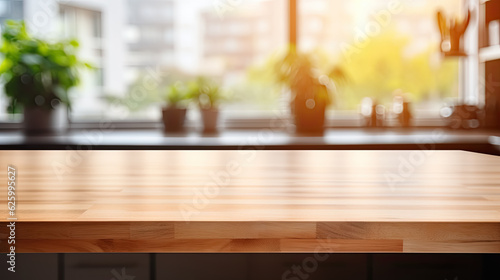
4	8
138	47
9	9
387	48
97	25
178	41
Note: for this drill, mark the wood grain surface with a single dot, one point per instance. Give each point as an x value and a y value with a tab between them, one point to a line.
253	201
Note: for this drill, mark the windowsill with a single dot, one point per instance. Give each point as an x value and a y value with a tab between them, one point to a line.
331	139
349	122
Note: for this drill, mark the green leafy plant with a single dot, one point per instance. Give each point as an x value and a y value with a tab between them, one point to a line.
37	73
208	94
299	72
178	95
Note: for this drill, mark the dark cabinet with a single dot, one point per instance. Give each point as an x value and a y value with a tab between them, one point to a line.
254	266
31	266
417	266
308	266
106	266
201	266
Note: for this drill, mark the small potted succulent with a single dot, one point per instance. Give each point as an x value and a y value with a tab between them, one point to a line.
311	91
208	96
37	77
174	114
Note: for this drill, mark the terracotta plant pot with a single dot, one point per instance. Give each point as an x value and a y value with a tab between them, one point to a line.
173	119
309	115
41	120
210	119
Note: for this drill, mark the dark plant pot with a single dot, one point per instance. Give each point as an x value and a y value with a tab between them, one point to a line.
309	119
173	119
42	121
210	119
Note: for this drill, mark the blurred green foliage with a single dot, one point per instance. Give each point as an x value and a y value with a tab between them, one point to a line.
307	78
36	72
207	93
385	64
175	90
178	95
377	69
140	95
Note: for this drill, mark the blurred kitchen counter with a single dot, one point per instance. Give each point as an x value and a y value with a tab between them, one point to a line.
262	139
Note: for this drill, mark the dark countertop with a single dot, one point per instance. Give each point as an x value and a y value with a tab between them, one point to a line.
331	139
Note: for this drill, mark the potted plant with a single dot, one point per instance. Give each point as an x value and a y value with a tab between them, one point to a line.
37	76
311	91
208	96
174	114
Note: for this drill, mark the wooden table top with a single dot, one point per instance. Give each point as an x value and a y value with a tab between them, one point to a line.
266	201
